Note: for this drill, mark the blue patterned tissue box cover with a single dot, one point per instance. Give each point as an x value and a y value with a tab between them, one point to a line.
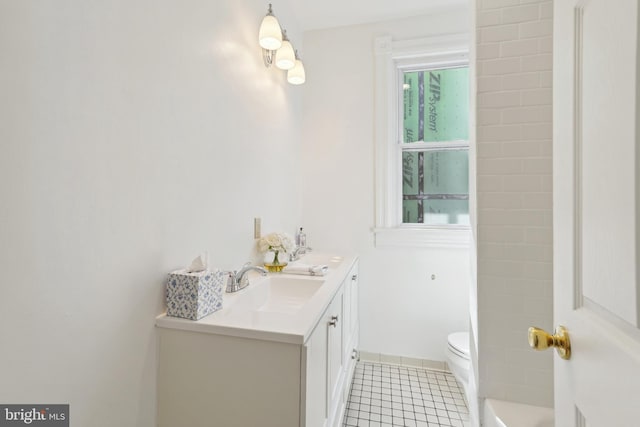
194	295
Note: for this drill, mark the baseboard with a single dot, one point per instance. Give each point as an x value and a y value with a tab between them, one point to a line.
404	361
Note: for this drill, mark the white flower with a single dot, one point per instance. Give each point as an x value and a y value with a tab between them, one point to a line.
275	242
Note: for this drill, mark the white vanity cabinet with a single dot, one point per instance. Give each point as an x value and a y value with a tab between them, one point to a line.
331	354
259	379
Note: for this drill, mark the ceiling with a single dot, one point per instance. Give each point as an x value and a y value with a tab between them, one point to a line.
316	14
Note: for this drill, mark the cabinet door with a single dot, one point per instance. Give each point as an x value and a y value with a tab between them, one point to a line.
349	339
351	329
348	320
336	352
316	351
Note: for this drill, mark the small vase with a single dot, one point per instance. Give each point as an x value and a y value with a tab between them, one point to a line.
275	261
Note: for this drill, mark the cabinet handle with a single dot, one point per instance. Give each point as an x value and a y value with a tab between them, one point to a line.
334	321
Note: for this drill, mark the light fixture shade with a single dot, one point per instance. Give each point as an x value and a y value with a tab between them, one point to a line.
286	57
270	36
296	75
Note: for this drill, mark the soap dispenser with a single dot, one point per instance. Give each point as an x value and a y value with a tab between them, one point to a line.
302	239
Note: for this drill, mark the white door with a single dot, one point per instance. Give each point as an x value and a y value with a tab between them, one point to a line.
596	211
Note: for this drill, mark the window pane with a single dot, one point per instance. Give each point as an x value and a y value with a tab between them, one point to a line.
436	105
435	187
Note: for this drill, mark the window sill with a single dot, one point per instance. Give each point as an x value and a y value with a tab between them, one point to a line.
414	237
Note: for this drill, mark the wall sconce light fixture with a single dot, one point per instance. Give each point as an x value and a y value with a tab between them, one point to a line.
277	49
296	75
270	37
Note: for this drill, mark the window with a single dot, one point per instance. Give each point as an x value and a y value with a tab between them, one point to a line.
434	114
422	142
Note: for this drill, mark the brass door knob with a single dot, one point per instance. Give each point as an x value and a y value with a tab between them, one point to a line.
542	340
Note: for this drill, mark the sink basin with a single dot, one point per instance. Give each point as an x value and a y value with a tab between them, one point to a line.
276	294
288	294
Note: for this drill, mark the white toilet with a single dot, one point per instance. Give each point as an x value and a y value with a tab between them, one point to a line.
458	357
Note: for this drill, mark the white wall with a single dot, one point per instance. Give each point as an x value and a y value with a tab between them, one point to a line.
514	180
403	311
133	135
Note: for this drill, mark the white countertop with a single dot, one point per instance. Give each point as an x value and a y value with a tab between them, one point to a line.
234	319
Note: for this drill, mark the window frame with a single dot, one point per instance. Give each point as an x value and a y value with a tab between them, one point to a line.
393	58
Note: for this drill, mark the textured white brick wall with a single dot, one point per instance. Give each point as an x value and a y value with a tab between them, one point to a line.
514	187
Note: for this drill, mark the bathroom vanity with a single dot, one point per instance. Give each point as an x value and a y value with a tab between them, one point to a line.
280	353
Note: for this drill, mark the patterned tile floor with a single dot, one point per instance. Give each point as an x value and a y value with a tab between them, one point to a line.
389	395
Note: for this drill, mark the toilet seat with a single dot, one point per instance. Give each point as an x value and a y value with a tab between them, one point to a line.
458	344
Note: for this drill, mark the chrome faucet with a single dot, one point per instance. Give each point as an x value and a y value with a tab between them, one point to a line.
238	279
